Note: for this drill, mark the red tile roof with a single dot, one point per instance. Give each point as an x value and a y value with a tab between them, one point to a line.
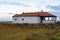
46	14
42	14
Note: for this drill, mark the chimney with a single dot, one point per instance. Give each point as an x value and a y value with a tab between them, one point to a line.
41	10
23	12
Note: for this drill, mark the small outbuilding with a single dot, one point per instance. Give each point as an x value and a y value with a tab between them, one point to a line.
34	17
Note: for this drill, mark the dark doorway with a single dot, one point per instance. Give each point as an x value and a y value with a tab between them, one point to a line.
42	18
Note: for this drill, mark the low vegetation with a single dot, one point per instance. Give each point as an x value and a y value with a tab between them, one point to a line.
29	31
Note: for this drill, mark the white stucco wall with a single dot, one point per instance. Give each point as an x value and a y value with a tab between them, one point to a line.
50	21
26	20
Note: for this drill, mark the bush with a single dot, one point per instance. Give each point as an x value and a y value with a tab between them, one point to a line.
33	37
55	39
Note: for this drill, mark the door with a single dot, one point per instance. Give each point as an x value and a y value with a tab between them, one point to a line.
42	18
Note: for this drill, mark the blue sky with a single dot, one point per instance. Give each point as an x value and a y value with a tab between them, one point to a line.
10	7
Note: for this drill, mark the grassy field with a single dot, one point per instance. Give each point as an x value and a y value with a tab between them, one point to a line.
29	32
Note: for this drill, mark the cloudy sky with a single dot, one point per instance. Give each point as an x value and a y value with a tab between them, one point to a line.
10	7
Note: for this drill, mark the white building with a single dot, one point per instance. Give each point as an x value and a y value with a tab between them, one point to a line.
34	17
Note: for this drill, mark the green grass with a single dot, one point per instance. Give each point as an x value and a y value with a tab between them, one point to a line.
25	31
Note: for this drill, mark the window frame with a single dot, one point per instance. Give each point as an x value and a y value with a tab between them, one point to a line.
22	19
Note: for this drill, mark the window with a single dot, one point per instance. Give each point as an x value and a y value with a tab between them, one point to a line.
46	18
50	18
22	19
15	19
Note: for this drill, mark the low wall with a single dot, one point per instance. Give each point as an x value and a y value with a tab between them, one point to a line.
46	21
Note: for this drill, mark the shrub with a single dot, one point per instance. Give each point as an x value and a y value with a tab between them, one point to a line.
33	37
